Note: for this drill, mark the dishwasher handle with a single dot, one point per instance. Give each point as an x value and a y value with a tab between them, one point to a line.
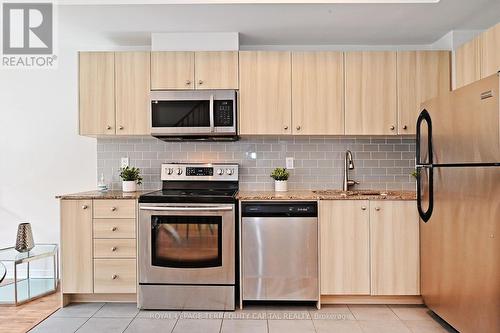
279	209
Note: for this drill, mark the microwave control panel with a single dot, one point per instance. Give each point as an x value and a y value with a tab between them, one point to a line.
223	113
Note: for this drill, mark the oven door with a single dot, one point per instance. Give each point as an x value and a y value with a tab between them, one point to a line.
193	113
186	244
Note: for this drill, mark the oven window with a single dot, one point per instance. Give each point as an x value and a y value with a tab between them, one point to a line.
181	113
186	241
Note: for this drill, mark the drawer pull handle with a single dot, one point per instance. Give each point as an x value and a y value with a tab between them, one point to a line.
113	249
377	208
363	208
114	229
84	207
113	209
114	276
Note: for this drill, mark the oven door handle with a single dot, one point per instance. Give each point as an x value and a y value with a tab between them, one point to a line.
187	208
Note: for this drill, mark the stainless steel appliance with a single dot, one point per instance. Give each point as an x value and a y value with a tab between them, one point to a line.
194	115
187	239
458	164
279	244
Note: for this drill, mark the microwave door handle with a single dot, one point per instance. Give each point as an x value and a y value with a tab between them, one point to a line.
212	127
186	208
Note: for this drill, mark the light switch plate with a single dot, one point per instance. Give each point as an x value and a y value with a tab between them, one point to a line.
124	162
289	162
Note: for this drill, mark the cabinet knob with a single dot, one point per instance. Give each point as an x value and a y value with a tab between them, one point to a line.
188	82
113	249
405	127
298	128
108	127
114	229
363	208
200	82
121	127
377	208
114	276
285	128
113	209
392	127
85	207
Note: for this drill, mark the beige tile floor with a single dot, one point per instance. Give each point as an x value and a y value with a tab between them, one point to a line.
110	318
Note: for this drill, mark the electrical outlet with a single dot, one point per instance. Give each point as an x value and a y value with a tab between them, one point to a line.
289	162
124	162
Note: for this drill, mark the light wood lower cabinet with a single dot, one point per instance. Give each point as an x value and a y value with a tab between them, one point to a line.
114	248
115	276
114	228
394	248
369	248
345	247
76	246
124	209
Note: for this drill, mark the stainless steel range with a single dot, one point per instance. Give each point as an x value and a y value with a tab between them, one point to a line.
187	235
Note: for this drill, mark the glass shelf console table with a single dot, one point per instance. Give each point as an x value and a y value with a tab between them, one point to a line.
30	274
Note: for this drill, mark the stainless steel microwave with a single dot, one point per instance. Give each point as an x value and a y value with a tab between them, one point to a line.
194	115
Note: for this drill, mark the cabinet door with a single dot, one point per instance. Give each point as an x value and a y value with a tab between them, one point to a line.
132	84
490	51
318	93
370	99
216	70
345	250
97	93
394	248
467	63
265	92
422	75
76	246
172	70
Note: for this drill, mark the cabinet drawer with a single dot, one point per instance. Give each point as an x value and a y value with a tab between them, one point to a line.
114	228
108	209
114	276
114	248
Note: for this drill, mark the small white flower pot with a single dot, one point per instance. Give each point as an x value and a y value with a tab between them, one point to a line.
281	185
129	186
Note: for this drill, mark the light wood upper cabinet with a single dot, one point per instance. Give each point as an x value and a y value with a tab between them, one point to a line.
97	93
421	75
216	70
132	77
318	93
265	92
467	63
172	70
490	51
370	93
394	248
345	247
76	246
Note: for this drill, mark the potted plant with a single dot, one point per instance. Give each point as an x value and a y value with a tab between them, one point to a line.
131	177
280	176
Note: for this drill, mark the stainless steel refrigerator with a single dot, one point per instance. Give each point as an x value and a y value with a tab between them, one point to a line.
458	198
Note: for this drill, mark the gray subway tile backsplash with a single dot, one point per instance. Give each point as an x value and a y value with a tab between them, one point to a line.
382	163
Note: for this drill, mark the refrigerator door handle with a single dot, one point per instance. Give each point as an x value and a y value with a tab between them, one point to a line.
424	116
425	215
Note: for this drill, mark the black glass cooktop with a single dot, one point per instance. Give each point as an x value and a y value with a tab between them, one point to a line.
190	195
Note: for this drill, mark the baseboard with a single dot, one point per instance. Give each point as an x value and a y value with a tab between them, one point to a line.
110	298
367	299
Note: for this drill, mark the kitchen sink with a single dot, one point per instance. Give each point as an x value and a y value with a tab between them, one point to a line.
349	193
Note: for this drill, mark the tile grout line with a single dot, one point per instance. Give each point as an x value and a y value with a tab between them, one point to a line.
139	311
92	316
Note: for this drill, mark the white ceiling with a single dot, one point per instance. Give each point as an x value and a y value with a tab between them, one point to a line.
288	24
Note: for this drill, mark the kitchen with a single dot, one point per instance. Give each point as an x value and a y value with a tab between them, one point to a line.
380	158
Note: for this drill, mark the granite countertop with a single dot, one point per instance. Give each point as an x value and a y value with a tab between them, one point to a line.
114	194
327	195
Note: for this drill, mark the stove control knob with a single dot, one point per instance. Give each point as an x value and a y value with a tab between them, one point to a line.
179	171
170	171
229	171
220	172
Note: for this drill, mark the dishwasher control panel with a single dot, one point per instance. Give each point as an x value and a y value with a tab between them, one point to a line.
279	209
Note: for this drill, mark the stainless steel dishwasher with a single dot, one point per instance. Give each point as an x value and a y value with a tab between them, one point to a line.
279	244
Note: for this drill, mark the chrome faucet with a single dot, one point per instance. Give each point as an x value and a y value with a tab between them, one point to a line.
348	165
